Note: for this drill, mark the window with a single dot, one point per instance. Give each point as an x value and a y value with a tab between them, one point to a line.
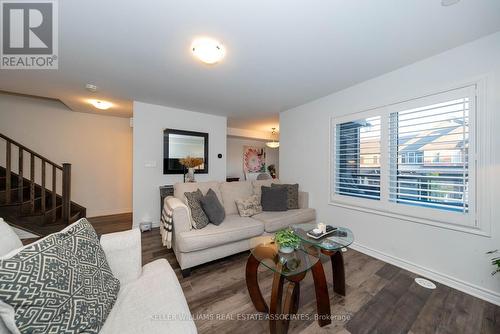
358	152
441	130
410	159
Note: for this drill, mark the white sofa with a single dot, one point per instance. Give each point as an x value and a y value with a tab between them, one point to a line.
150	298
193	247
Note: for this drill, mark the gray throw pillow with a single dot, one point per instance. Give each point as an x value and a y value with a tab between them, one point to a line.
60	284
293	194
198	217
213	208
274	198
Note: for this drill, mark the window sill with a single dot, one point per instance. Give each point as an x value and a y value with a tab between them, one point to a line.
465	229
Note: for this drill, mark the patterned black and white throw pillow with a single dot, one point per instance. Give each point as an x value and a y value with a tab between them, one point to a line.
199	219
60	284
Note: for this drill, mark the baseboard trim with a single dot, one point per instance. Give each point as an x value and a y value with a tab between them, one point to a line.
471	289
109	212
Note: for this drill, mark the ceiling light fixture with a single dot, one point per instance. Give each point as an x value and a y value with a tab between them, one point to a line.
273	143
447	3
208	50
91	88
99	104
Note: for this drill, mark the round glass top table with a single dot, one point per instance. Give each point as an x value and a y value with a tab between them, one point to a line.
332	246
291	268
300	260
340	238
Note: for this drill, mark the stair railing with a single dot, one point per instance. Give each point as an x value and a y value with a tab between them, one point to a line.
65	169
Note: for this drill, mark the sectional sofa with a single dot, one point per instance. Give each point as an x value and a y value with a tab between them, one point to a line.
194	247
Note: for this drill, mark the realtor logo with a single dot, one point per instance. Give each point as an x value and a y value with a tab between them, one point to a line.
29	38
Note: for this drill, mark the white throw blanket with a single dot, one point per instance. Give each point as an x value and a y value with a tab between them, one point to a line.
166	225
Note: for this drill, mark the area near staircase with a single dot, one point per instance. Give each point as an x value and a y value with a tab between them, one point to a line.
35	193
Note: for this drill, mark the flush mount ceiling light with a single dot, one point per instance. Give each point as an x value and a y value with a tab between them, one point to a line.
100	104
208	50
91	88
447	3
273	144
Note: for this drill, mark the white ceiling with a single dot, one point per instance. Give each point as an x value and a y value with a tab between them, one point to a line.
280	53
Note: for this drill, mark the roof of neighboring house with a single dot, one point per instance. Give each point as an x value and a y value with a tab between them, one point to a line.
443	137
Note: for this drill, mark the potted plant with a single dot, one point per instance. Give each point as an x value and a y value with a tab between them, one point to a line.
287	240
190	163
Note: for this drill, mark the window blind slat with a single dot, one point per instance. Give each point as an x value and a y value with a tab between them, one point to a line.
434	129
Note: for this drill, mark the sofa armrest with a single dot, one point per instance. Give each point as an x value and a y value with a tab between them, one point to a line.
180	214
9	240
123	252
303	200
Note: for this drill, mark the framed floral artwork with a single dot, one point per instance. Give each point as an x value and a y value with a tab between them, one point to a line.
254	159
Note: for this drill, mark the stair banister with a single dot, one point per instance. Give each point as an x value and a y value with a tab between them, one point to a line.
8	167
66	180
66	192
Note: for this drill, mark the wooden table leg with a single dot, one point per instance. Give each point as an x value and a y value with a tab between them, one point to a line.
337	260
275	306
253	285
322	296
291	305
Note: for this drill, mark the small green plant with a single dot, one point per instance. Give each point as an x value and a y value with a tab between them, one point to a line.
495	261
287	238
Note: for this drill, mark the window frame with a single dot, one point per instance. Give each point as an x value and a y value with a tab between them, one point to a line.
476	220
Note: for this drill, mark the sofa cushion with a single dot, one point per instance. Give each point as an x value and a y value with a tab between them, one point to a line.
257	186
71	286
231	191
3	328
181	188
274	198
153	304
274	221
8	239
199	218
233	228
213	208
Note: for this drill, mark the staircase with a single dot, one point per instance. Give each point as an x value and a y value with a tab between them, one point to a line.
35	193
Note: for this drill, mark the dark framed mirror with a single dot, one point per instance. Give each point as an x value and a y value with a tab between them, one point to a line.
179	144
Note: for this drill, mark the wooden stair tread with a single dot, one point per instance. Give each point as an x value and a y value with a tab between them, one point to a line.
15	188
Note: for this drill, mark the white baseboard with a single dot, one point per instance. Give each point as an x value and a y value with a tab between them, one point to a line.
155	224
471	289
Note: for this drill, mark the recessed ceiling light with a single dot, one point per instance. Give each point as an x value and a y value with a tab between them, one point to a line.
99	104
208	50
447	3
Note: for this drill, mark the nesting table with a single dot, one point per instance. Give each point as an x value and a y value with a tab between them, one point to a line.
291	269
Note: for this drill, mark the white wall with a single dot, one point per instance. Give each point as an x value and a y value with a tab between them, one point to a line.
455	258
235	155
98	147
149	122
251	134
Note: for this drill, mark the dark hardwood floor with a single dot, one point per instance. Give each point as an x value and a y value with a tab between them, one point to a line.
380	298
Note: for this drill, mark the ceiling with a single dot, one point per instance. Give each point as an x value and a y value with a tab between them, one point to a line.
280	53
